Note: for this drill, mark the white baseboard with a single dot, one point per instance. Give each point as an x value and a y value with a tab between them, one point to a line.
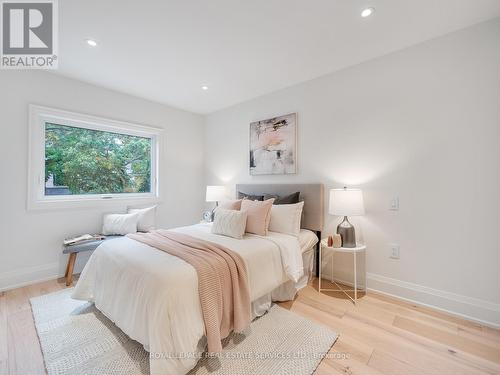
481	311
28	275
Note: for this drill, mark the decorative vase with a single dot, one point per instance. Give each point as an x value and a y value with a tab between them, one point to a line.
337	241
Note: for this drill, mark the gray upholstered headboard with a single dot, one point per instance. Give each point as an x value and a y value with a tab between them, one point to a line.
311	194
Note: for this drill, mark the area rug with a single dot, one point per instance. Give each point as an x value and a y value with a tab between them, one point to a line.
77	339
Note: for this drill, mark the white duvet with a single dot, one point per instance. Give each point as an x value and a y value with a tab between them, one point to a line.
153	296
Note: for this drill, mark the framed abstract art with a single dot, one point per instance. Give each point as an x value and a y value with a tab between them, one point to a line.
273	145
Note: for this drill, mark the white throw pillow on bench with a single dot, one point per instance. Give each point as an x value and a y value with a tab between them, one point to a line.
120	224
147	218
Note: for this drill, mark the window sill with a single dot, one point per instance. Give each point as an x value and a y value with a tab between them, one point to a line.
91	202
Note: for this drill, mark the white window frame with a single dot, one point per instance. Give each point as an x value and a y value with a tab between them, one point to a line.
37	199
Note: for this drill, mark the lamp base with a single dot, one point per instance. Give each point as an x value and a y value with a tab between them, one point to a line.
347	233
212	217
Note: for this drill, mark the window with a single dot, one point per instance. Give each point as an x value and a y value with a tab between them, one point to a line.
77	158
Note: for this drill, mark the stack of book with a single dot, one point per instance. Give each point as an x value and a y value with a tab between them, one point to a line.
83	239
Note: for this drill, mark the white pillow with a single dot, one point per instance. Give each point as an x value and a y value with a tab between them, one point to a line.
230	223
147	218
120	224
285	218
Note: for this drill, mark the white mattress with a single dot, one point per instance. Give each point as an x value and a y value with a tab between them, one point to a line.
289	289
307	240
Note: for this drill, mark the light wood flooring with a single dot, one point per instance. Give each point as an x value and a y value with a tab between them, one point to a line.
380	335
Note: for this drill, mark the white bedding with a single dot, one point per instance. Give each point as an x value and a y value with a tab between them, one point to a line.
153	296
307	240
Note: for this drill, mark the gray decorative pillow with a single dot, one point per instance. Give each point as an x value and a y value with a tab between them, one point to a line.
288	199
250	196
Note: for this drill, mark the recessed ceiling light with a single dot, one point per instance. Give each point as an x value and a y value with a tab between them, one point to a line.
367	12
91	42
204	88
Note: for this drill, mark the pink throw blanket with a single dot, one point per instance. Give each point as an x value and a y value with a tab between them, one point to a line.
222	281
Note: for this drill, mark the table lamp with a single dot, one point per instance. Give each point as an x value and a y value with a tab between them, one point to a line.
215	194
346	202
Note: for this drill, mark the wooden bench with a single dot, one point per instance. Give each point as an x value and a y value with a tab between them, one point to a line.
73	250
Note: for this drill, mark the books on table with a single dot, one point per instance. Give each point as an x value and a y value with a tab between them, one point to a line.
82	239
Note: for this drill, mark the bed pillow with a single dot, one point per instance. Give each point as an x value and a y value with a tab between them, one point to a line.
287	199
230	223
285	218
258	215
250	197
147	218
234	204
120	224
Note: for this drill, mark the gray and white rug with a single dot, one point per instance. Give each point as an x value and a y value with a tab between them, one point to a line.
77	339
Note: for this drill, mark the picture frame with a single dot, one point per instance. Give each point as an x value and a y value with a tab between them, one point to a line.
273	146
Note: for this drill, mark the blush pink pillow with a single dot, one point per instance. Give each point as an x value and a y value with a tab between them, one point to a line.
258	215
231	204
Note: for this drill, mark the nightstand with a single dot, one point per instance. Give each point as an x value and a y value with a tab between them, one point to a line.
332	250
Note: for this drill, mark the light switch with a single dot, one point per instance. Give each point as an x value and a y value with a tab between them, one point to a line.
394	205
394	251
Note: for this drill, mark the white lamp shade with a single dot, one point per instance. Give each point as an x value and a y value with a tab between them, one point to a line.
215	193
346	202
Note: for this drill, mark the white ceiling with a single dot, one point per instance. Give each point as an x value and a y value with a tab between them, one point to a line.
165	50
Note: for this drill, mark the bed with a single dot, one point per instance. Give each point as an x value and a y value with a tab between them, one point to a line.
153	296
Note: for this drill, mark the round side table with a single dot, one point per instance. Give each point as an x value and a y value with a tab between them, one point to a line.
354	251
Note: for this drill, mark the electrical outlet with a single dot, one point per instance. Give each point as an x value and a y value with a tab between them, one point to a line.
394	205
394	251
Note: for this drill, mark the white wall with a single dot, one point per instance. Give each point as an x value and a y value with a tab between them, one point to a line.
30	245
422	124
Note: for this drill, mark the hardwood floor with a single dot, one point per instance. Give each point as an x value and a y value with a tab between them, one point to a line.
380	335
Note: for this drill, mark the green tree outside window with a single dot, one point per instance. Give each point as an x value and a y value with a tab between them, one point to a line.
90	161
